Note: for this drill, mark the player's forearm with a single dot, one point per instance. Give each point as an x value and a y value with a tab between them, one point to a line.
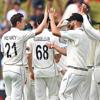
29	57
60	50
54	28
41	26
95	34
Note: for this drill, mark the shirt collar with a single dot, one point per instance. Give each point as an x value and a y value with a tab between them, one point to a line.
14	29
79	28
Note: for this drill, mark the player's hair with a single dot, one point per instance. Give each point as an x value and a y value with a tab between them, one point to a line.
17	3
40	18
16	18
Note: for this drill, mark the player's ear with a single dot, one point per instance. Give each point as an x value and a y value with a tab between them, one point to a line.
18	23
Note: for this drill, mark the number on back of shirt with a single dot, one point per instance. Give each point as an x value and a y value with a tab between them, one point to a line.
42	55
11	47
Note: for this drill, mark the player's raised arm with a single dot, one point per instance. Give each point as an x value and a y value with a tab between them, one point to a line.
54	28
42	25
95	34
31	74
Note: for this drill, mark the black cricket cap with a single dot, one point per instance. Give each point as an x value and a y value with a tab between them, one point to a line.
75	16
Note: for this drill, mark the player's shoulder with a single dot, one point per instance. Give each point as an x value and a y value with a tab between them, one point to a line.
5	34
30	40
45	33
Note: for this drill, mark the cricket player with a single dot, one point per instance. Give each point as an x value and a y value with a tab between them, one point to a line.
63	25
61	65
13	46
76	76
94	34
29	90
45	69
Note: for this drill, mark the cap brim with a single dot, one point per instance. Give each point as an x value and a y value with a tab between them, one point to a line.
71	18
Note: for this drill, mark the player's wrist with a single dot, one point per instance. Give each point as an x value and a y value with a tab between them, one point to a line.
55	46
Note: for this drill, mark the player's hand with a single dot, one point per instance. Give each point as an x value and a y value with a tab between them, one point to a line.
60	24
46	12
31	75
51	13
63	72
50	45
83	9
57	57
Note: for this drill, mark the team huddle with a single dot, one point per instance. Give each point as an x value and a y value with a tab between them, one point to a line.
60	59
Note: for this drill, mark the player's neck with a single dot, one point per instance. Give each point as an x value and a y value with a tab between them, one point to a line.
18	27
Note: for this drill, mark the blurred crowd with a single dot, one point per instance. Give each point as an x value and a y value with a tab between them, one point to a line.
35	8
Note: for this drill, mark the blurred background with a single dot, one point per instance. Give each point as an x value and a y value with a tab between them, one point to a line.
94	4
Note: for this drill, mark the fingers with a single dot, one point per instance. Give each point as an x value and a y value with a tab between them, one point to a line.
83	9
52	13
50	10
50	45
46	11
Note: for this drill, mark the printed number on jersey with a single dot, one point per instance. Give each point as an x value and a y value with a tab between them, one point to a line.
43	56
42	52
9	48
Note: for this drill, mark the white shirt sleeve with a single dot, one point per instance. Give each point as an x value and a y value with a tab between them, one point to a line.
29	46
56	40
63	43
71	35
28	34
95	34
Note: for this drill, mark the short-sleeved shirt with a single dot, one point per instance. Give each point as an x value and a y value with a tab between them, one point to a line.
42	56
13	45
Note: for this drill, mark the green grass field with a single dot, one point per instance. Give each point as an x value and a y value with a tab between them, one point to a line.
95	9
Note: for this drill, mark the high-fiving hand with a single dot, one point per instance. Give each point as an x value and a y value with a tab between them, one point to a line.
83	9
46	11
51	13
